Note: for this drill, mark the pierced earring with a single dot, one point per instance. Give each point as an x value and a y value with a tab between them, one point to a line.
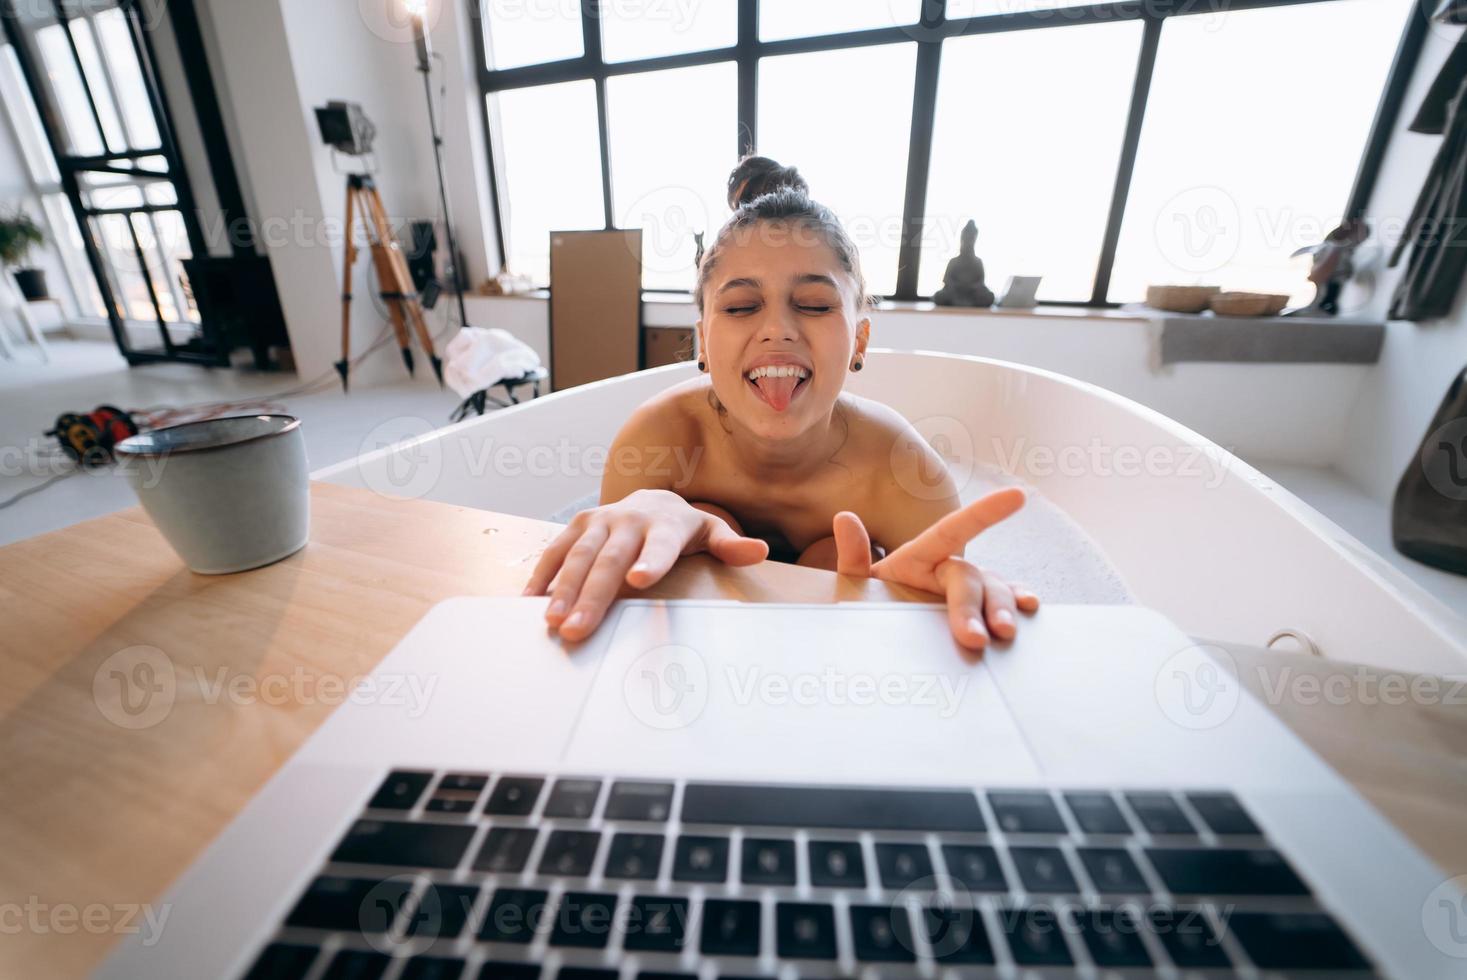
703	366
857	366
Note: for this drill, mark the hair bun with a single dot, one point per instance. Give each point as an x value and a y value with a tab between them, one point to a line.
756	176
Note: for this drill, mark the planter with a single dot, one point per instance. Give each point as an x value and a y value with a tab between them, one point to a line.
32	283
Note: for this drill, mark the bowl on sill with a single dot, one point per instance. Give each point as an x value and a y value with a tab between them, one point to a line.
1180	299
1248	304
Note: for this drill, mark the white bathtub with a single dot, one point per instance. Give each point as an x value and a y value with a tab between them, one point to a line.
1195	532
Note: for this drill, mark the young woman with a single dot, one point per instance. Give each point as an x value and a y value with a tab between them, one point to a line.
784	463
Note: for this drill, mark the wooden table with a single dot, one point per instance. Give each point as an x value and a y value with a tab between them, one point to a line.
97	819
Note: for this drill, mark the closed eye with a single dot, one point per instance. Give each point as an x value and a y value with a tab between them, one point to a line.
748	308
808	308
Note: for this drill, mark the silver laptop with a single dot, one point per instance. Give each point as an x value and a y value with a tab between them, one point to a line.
729	790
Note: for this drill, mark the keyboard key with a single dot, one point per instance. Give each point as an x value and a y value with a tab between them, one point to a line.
1295	941
421	845
1026	812
855	809
882	934
804	931
640	801
657	924
584	920
730	928
283	961
1113	871
573	799
495	970
1112	938
451	804
442	911
570	852
514	796
1223	814
659	975
957	934
432	968
400	790
505	850
1189	939
768	862
365	905
586	973
836	864
356	965
514	916
975	867
700	859
1160	814
1035	937
1189	871
635	856
463	782
1097	813
1043	869
902	864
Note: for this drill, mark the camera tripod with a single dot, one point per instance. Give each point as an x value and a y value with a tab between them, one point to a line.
392	274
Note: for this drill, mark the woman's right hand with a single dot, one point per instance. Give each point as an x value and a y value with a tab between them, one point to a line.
636	540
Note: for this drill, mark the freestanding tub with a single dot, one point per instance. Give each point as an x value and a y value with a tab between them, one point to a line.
1195	532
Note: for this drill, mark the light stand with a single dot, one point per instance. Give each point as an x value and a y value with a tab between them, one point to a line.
417	10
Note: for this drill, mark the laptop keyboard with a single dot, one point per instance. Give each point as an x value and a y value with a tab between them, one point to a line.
464	876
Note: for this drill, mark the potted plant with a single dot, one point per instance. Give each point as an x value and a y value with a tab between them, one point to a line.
19	233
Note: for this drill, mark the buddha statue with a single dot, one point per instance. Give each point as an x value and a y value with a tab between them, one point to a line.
962	283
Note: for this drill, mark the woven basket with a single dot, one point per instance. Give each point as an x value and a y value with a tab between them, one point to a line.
1249	304
1180	299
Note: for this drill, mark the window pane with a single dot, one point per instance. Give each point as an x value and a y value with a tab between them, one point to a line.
1011	164
162	281
86	49
68	91
529	32
672	195
649	30
137	111
22	109
1232	97
806	18
68	241
827	114
130	288
957	9
552	169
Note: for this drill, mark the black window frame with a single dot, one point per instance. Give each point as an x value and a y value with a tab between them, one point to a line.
929	33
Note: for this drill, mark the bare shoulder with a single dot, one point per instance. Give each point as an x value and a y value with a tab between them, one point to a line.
669	424
909	482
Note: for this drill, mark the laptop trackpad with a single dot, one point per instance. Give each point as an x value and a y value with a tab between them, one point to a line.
879	694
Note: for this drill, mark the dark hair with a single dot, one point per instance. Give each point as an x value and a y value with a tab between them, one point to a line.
762	192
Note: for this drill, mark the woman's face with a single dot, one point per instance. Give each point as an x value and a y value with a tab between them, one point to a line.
781	327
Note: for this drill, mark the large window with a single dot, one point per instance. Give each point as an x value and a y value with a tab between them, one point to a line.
1103	147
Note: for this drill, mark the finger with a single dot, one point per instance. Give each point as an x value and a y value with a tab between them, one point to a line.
999	607
573	570
603	581
962	583
732	548
550	561
1025	599
661	550
852	545
952	533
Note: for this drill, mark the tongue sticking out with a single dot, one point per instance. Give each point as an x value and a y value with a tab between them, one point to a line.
777	391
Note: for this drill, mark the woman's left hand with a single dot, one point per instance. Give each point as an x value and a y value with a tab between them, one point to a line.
979	604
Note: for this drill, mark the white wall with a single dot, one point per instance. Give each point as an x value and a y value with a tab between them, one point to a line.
1399	397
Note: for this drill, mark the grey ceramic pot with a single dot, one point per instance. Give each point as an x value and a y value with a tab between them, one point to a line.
229	494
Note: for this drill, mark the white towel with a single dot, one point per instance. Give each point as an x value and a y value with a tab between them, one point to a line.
480	358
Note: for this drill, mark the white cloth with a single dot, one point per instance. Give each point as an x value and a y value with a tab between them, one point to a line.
479	358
